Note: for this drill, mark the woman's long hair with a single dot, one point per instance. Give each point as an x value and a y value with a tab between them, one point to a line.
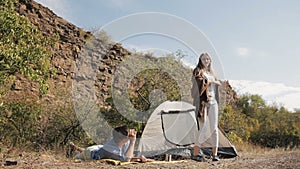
201	66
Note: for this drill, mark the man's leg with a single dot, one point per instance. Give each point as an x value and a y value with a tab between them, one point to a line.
72	148
80	149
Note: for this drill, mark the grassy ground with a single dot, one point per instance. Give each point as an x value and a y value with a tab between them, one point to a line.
249	157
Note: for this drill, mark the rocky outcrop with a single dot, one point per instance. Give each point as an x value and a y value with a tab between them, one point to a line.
67	50
231	95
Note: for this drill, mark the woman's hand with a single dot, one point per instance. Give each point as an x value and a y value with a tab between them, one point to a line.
217	82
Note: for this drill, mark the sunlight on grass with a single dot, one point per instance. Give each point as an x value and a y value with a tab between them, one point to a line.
247	150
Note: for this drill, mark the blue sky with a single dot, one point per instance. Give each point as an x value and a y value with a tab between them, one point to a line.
255	40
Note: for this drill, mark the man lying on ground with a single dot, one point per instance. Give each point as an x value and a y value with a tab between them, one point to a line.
120	147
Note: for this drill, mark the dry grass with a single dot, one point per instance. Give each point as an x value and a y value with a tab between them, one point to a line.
249	157
250	151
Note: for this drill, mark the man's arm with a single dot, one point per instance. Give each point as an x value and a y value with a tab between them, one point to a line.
132	138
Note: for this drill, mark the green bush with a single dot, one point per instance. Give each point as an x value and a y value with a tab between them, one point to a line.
19	124
23	49
268	126
35	126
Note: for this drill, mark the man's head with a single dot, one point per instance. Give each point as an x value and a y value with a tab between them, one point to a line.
120	133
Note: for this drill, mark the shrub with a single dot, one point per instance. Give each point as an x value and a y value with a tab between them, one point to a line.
23	49
19	124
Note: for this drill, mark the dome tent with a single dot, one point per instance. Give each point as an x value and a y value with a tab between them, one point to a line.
173	126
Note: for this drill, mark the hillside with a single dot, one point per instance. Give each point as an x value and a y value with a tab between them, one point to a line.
71	40
48	120
73	70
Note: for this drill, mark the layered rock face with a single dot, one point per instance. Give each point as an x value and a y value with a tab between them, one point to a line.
68	55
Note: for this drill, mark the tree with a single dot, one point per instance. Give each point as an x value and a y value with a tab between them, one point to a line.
251	104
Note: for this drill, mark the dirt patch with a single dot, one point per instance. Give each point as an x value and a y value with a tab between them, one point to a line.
262	159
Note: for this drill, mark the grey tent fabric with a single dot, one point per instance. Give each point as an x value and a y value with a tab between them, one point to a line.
173	125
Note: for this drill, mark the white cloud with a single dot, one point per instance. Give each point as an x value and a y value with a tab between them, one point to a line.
290	100
243	52
277	93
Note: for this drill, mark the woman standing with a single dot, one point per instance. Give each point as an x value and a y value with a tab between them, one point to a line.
205	95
